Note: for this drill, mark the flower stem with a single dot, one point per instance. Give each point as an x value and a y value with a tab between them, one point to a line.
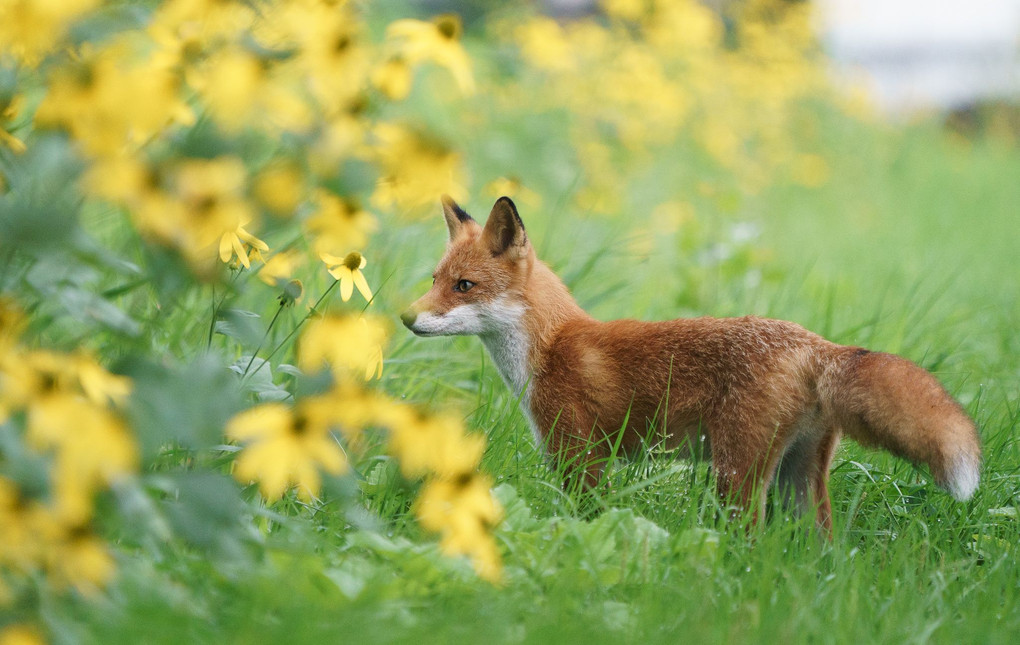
263	341
312	311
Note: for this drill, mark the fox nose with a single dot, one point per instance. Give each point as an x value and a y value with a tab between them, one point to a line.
408	318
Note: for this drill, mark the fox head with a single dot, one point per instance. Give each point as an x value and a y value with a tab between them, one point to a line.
478	284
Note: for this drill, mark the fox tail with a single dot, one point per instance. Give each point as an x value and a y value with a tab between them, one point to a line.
883	400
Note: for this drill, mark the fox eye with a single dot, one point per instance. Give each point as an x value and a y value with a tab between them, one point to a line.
463	286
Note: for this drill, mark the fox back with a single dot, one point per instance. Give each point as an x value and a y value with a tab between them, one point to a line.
766	399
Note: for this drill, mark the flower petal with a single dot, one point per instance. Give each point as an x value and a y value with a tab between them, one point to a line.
225	246
361	284
239	250
346	284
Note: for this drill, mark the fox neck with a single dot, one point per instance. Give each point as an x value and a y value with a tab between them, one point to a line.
528	323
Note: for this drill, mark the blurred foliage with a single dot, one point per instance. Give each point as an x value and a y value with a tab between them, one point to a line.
146	149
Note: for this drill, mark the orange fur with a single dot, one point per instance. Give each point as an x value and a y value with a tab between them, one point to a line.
767	399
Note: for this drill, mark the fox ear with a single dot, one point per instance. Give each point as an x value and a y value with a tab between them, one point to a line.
454	215
504	230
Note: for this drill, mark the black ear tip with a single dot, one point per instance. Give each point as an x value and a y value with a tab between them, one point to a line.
450	205
507	201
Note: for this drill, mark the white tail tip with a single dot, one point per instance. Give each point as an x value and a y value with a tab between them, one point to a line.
962	476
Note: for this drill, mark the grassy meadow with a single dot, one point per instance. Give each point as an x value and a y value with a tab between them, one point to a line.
195	445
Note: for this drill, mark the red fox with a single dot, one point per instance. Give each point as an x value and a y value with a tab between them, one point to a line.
768	399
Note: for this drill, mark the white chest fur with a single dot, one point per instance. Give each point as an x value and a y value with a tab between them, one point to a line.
508	344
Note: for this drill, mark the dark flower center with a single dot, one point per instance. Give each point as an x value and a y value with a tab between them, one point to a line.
448	27
353	261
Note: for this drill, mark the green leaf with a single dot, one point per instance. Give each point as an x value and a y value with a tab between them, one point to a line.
240	325
185	405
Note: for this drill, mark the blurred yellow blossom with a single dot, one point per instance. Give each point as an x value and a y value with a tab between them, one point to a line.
20	634
415	169
683	27
76	556
108	101
10	107
544	44
811	171
12	323
338	224
344	343
91	448
121	178
393	78
432	444
348	271
98	385
280	188
631	10
205	20
205	203
437	41
330	49
285	446
241	90
462	510
29	29
513	188
280	267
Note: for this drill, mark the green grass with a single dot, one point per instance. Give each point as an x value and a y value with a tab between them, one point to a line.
909	248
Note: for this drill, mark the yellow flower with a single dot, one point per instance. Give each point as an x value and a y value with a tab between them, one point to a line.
632	10
110	99
811	171
205	212
230	82
280	267
462	510
233	243
241	90
20	634
415	169
431	444
20	547
12	323
342	136
77	557
513	188
31	28
544	45
338	224
348	271
91	447
393	78
345	343
27	377
9	109
207	20
437	41
280	188
100	386
329	50
287	446
120	178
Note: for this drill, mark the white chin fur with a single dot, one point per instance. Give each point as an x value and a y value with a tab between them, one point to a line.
459	321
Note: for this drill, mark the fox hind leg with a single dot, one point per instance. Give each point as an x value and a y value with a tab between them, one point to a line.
745	464
803	474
